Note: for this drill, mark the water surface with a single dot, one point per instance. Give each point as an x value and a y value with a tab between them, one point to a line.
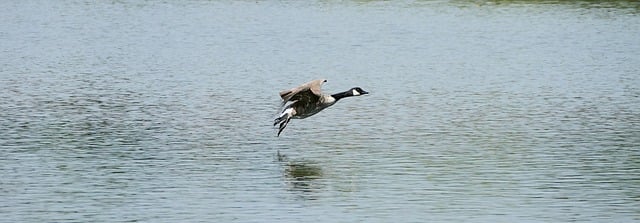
150	111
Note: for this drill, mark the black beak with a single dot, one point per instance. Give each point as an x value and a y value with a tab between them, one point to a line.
364	92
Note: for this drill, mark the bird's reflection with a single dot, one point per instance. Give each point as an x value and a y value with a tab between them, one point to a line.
301	175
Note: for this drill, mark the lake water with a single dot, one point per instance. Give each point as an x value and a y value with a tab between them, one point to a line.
161	111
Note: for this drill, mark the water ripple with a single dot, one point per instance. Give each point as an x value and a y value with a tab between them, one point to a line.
161	112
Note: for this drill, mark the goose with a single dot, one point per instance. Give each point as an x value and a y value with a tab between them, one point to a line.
307	100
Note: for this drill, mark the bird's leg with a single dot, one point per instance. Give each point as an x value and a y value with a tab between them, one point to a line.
276	121
283	119
279	118
283	125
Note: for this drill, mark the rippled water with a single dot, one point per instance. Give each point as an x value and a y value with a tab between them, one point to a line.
161	111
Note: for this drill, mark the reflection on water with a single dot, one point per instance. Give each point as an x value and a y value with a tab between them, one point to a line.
301	175
302	170
484	111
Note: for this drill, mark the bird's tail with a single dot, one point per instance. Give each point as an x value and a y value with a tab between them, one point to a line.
283	119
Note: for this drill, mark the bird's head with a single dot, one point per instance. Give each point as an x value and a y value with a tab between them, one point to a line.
357	91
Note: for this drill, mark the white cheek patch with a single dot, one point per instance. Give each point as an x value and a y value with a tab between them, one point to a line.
355	93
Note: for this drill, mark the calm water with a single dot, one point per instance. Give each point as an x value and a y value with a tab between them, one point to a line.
161	111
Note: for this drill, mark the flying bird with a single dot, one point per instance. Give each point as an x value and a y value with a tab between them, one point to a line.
307	100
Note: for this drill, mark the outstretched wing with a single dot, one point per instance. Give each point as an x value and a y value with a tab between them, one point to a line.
309	92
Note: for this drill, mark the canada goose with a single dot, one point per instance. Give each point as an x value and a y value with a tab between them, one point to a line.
307	100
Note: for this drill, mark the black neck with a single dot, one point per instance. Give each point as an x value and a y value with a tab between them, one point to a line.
341	95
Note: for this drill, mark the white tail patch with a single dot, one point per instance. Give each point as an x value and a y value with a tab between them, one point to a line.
287	112
355	93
